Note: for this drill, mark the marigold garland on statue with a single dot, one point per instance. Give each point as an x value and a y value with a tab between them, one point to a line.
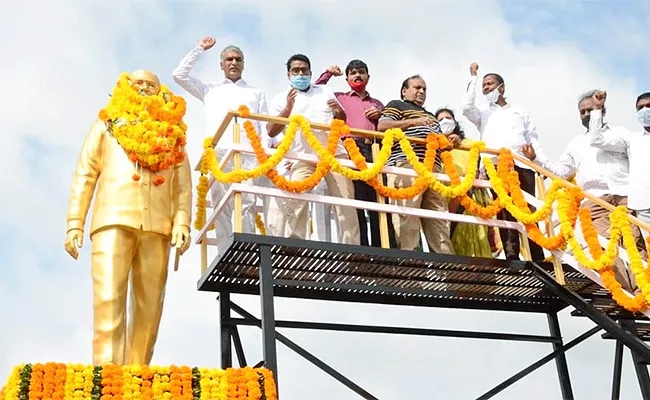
135	382
150	129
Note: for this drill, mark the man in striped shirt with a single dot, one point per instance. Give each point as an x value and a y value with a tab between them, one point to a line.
409	115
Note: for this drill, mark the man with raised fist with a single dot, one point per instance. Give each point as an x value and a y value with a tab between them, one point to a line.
502	124
218	98
362	111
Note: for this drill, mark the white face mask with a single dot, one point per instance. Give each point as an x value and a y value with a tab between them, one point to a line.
643	116
447	125
493	96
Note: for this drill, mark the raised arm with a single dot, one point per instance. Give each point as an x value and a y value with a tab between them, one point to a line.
325	77
606	139
281	106
470	111
182	72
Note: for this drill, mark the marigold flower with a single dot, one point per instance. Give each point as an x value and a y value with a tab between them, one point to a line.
149	128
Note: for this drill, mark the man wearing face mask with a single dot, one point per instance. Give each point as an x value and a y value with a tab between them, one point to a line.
218	98
409	115
636	147
599	171
504	125
317	104
362	112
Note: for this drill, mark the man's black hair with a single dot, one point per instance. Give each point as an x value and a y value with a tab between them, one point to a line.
642	96
498	77
298	57
356	64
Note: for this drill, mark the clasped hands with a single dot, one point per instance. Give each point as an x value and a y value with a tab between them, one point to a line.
180	239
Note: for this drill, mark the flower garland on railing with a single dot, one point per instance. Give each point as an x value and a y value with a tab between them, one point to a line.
134	382
420	184
150	129
517	202
474	208
607	274
259	223
504	181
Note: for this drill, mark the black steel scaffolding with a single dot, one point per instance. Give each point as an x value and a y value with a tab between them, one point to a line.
277	267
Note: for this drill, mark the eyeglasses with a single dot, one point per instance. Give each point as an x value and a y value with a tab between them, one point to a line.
299	71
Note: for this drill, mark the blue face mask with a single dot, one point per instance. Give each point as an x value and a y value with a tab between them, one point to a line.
300	82
644	116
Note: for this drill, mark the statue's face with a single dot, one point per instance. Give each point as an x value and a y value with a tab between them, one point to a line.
145	82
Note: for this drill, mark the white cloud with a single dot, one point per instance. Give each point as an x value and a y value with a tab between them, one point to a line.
58	73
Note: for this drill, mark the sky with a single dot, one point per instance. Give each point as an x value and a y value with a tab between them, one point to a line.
65	58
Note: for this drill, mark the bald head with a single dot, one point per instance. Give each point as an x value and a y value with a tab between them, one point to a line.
145	82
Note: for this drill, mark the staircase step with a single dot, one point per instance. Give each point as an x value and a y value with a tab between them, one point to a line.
612	310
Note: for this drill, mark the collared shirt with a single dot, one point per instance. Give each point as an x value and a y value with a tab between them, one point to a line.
598	172
311	104
354	106
507	127
636	147
104	168
399	110
220	97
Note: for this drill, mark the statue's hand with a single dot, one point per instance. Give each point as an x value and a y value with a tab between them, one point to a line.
74	240
181	238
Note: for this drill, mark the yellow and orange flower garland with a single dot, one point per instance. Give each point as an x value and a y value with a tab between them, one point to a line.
137	382
150	129
503	178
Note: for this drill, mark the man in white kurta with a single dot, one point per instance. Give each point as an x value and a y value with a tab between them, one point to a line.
504	125
599	171
218	98
317	104
636	147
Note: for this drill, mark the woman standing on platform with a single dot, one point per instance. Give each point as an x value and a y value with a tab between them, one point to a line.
468	239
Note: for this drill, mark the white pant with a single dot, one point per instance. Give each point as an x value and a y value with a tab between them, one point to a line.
298	211
226	218
274	212
320	216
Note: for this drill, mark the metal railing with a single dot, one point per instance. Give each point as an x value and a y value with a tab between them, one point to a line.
234	192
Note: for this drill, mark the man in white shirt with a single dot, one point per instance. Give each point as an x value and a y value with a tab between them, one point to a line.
218	98
601	173
317	104
636	146
504	125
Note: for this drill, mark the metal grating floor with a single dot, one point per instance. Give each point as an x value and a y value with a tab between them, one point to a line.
336	272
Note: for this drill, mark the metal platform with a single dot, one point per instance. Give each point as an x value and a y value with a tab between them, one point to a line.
278	267
335	272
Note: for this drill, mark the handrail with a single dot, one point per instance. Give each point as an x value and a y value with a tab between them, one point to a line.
374	134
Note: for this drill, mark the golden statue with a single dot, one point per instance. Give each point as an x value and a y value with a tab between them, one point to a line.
135	155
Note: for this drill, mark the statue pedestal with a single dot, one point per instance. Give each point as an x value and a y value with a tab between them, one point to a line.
74	381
